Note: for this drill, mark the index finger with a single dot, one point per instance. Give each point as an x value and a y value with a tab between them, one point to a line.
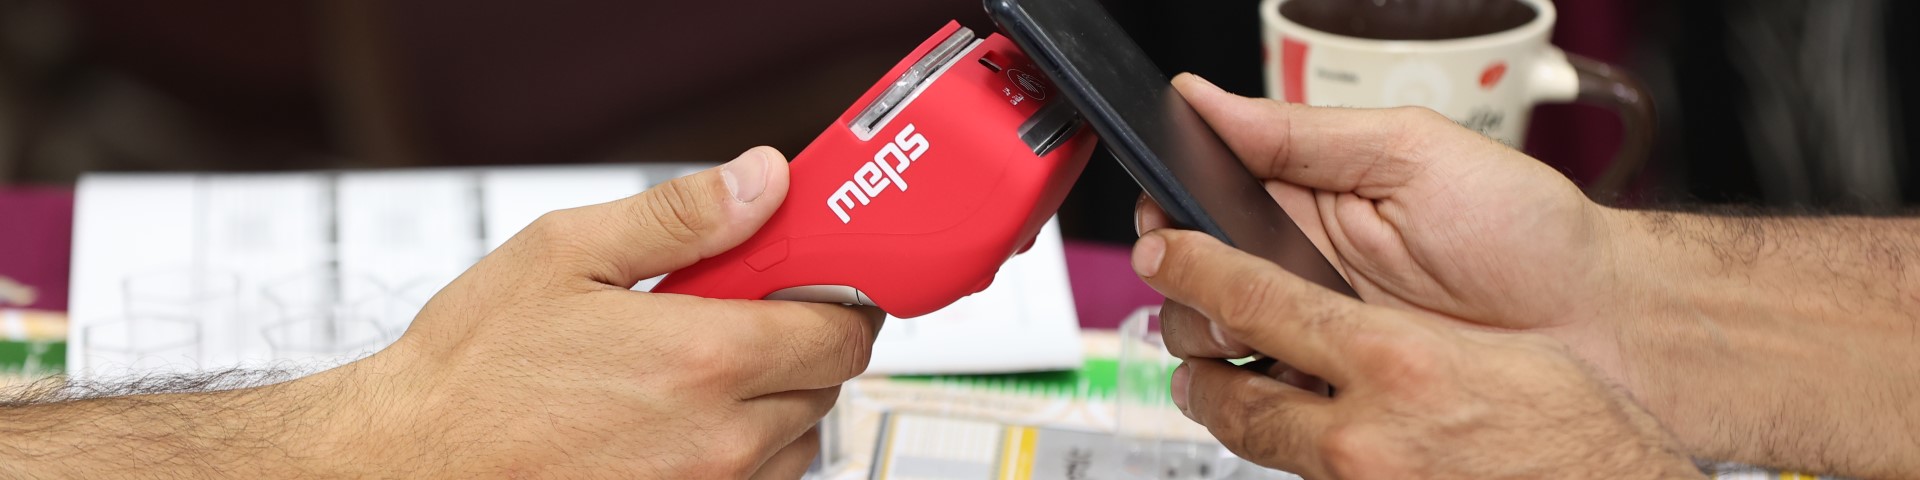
1371	153
801	346
1277	313
744	348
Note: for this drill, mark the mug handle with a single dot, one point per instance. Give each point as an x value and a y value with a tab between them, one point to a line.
1609	86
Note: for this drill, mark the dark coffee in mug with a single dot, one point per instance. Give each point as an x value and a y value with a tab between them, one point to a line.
1409	19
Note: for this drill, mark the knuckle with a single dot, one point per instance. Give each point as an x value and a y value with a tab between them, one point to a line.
555	235
845	348
1324	315
552	227
709	365
1264	436
733	455
1404	362
1258	293
1229	408
1408	146
679	211
1420	116
1382	345
1241	404
1350	451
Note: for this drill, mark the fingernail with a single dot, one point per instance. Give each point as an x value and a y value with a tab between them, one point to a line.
1203	80
1220	339
746	177
1139	224
1181	377
1147	254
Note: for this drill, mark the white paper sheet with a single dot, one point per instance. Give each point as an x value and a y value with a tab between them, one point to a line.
1025	321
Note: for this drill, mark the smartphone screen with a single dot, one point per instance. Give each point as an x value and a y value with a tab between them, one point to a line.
1161	141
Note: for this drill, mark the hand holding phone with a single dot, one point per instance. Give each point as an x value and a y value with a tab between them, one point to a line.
1163	143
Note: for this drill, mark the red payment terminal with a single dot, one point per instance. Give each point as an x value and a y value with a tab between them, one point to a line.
916	196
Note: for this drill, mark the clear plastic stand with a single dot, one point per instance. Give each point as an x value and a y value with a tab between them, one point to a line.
327	316
164	324
143	344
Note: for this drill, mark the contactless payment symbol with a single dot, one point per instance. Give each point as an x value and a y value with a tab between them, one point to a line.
1032	85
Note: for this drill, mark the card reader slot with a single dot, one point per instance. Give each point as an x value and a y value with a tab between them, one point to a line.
1050	127
897	94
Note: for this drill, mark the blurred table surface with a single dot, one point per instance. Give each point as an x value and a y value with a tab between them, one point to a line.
36	239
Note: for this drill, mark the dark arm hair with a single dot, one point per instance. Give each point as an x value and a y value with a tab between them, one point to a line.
238	423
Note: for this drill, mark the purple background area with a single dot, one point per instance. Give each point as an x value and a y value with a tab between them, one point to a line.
1104	287
36	241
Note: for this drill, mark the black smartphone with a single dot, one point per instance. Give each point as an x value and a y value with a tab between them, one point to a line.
1163	143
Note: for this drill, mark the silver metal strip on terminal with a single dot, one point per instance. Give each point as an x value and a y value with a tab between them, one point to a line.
903	87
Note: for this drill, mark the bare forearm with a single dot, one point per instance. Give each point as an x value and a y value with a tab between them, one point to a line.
259	432
1812	266
1782	341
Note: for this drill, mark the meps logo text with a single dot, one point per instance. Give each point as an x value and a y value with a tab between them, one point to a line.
874	177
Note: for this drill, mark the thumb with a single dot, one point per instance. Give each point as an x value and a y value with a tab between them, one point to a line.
665	228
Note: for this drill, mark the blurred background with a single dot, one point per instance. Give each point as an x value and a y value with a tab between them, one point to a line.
1782	103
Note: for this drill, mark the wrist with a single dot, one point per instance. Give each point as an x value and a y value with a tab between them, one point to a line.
1768	340
1657	268
1662	318
326	419
358	421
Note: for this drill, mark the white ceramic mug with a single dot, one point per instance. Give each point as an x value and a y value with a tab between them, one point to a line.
1488	82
